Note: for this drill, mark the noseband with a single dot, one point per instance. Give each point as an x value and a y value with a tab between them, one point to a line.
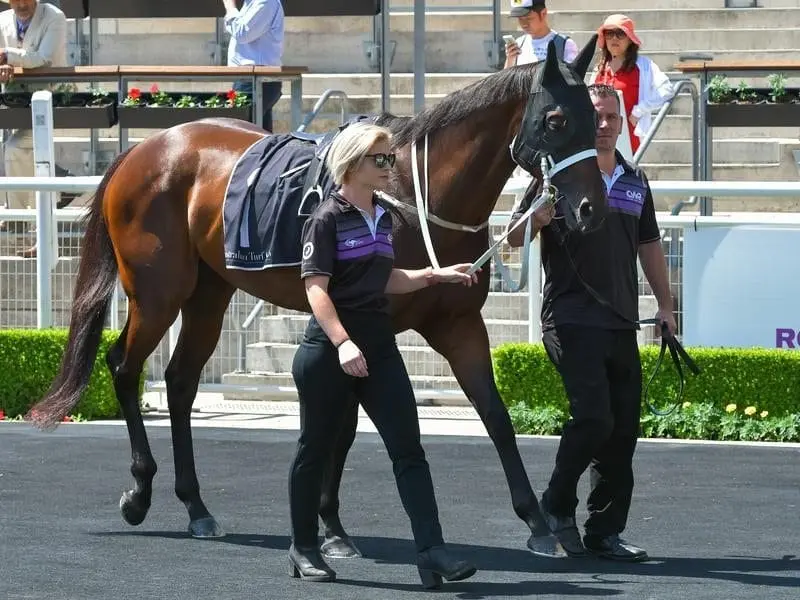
550	194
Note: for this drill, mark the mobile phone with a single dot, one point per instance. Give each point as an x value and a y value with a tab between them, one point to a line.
509	39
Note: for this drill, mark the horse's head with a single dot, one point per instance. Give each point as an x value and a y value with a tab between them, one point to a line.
557	138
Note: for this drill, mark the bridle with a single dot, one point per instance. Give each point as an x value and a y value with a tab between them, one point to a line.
549	194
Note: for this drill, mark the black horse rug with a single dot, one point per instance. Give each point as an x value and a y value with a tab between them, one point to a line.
276	184
273	188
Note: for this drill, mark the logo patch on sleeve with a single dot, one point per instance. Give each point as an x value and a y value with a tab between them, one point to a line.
308	250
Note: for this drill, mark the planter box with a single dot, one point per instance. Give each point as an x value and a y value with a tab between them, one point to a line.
16	112
762	114
163	117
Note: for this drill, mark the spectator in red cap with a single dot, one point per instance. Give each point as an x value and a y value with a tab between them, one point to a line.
644	86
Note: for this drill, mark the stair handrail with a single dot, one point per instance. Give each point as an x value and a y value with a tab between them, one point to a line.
326	95
680	85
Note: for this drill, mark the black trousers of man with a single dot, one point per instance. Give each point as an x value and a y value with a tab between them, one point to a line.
602	375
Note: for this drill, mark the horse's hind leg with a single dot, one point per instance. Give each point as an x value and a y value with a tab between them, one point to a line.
142	333
201	317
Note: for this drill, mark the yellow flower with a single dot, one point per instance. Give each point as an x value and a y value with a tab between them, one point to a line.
750	411
730	408
764	414
687	404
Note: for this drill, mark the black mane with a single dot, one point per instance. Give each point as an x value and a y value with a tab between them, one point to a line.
508	85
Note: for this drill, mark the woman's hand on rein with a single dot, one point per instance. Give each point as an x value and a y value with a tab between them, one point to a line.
456	274
544	214
352	361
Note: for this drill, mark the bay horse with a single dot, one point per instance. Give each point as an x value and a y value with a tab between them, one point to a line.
156	223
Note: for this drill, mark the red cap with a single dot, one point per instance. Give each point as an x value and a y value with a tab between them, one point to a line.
618	21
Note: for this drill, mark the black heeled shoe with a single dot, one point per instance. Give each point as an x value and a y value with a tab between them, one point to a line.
436	563
307	563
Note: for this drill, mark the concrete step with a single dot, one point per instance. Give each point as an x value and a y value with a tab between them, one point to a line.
669	18
463	51
650	24
429	391
288	329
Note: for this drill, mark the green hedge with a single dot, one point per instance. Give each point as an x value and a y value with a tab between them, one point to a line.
763	378
29	361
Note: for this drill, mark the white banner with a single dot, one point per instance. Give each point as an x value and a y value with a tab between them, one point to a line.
741	287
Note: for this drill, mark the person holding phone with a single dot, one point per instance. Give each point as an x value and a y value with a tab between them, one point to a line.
349	348
532	46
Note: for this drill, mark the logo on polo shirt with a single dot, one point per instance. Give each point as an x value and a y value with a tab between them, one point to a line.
351	243
633	195
308	250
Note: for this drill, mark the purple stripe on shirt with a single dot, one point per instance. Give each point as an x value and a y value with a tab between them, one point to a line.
353	253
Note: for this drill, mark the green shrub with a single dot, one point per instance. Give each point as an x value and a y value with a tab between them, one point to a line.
690	421
765	378
29	361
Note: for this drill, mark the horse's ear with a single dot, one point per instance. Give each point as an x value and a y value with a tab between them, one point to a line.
551	70
581	62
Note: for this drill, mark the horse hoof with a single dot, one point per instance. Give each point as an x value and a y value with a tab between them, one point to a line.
131	510
339	547
547	546
207	527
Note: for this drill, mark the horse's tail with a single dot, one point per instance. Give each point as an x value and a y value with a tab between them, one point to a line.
97	276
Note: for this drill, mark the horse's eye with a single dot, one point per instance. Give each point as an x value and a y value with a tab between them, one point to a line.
555	122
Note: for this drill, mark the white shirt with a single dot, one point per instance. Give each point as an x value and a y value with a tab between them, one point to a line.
610	181
535	49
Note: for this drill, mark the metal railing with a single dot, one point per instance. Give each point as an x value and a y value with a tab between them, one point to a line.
326	95
697	115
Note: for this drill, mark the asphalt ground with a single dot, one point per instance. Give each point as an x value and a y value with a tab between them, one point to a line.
719	521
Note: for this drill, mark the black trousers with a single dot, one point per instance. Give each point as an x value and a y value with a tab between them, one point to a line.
602	376
271	91
324	391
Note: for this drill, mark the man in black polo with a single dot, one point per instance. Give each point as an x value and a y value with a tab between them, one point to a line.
589	322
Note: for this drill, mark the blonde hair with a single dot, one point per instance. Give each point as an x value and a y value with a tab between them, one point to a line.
348	149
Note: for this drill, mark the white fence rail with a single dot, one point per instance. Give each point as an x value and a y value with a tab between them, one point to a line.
234	339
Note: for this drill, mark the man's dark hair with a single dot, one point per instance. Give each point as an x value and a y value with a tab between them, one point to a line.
602	90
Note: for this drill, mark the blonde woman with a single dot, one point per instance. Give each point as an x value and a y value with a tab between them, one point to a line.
644	86
349	347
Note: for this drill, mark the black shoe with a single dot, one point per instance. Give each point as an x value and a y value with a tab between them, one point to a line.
436	563
566	531
307	563
336	546
613	547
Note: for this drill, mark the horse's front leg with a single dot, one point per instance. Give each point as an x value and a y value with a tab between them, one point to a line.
464	342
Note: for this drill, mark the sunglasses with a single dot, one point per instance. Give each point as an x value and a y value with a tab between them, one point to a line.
381	160
615	33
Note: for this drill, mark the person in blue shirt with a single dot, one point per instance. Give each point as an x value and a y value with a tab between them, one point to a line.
256	32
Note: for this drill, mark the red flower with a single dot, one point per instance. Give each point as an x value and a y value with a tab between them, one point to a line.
2	415
231	95
134	93
154	88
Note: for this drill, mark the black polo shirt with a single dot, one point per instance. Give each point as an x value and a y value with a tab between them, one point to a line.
606	259
341	241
